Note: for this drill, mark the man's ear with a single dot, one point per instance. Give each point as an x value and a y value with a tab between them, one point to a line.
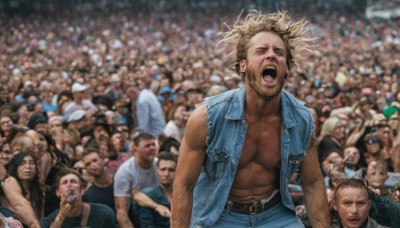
133	149
334	205
242	66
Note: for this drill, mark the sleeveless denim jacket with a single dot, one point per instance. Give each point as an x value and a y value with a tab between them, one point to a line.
226	135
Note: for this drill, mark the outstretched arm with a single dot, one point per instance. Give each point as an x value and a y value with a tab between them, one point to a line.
145	201
191	158
314	190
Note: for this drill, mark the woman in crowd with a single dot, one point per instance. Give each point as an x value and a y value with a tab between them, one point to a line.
24	170
332	136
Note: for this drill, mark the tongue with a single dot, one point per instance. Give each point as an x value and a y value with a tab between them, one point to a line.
268	78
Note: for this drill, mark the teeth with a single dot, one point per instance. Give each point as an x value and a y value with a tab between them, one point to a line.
270	68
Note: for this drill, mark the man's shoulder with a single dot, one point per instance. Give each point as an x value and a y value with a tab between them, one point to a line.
222	97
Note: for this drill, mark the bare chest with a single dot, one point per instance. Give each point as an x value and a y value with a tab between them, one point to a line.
262	144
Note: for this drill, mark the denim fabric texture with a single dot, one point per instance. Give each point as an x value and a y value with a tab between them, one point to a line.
226	135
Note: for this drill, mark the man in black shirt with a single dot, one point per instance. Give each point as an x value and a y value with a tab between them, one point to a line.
101	190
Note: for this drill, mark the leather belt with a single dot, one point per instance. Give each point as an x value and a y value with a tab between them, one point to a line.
252	207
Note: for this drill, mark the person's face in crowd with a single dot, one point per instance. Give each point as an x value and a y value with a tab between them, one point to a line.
99	131
132	93
78	151
94	165
266	51
6	124
81	95
385	134
27	169
39	143
393	122
6	154
70	185
340	130
353	205
124	131
194	95
41	127
56	126
372	145
60	85
166	172
63	101
365	108
117	141
352	154
81	123
38	107
376	175
146	150
180	113
4	94
100	89
333	160
103	149
79	166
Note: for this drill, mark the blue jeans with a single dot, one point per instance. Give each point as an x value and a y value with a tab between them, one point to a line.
277	216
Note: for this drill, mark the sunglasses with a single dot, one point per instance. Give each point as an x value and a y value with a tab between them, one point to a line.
372	140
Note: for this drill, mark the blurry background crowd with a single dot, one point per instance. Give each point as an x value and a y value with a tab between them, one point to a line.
78	76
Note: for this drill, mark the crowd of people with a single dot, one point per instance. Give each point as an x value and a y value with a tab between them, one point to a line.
94	105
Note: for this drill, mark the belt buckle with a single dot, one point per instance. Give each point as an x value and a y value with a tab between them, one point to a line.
253	209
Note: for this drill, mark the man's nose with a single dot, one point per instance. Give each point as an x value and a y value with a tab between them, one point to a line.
353	209
270	54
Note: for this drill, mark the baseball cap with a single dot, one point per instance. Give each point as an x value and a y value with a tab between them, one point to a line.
77	115
77	87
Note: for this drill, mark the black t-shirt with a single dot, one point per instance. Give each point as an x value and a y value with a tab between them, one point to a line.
100	216
96	194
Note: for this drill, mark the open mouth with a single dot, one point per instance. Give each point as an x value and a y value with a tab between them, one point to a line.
269	74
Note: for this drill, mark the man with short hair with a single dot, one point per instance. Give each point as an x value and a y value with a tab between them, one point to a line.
352	202
73	211
160	193
133	175
101	190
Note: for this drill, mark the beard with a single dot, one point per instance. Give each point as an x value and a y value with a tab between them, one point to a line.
265	95
99	175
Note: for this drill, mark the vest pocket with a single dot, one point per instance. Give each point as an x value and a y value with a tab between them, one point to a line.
294	161
216	162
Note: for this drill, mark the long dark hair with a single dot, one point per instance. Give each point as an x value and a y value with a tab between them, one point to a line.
36	188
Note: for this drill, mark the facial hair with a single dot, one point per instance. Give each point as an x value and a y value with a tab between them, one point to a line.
265	95
100	174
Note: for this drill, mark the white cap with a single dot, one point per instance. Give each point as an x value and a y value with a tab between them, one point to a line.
77	115
115	78
77	87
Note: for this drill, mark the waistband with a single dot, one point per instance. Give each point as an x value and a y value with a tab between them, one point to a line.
253	207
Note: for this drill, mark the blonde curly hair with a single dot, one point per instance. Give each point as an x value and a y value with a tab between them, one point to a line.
293	34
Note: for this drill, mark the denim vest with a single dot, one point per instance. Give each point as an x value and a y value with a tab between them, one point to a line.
226	135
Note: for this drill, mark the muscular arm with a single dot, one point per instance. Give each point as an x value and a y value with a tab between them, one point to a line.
314	190
191	157
122	205
22	206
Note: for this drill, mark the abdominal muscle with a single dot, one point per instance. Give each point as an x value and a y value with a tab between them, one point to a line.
253	183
